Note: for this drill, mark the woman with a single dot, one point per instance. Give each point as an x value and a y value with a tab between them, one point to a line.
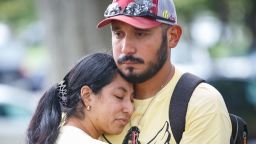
94	99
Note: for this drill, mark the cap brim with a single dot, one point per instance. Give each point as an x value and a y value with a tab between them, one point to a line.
138	22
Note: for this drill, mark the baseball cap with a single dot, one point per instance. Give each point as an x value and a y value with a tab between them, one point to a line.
140	13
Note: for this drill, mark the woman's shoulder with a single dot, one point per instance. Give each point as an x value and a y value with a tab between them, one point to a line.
71	134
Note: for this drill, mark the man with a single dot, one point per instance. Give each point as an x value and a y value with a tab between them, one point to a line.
143	34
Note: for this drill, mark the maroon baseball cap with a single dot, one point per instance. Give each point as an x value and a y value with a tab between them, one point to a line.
142	14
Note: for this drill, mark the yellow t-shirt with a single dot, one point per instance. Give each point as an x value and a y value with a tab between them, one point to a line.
207	119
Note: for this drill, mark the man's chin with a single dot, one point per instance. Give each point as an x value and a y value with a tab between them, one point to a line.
132	76
129	72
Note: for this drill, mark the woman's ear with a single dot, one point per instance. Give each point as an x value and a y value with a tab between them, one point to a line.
173	35
86	94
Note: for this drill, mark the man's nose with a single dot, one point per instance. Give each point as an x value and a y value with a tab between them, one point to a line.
128	46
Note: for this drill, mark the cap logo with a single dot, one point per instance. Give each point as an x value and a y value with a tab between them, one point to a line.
166	14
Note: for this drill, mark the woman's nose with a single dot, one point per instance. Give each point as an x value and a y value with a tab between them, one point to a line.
129	107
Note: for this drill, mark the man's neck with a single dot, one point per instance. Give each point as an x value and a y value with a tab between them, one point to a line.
150	87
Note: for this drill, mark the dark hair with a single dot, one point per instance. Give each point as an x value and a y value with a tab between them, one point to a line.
96	71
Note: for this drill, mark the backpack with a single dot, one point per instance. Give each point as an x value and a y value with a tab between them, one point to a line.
178	108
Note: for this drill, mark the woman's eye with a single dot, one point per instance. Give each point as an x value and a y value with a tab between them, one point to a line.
119	97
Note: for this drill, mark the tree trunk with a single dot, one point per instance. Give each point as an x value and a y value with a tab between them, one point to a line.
250	22
70	32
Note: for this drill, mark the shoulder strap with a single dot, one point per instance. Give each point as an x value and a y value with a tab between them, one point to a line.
179	103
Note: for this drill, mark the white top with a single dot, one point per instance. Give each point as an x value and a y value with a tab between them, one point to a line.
74	135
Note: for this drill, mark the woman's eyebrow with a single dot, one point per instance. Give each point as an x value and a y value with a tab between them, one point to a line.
122	88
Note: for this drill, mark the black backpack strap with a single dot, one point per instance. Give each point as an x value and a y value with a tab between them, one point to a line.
179	103
239	130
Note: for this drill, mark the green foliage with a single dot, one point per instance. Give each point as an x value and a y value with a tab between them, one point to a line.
230	13
17	13
186	10
225	9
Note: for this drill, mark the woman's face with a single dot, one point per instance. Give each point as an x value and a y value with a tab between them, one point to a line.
112	107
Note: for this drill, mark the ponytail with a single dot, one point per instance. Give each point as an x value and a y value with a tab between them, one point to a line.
44	125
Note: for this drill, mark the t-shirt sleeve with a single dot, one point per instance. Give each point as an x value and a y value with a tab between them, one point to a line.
207	119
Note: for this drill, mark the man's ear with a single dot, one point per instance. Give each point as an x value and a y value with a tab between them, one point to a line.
86	95
173	35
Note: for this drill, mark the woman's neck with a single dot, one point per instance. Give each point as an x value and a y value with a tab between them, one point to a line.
85	125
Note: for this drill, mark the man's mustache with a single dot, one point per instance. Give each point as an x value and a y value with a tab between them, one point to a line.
123	59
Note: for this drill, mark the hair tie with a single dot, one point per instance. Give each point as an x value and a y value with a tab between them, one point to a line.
62	93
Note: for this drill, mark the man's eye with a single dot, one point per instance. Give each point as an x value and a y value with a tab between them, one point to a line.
140	34
118	34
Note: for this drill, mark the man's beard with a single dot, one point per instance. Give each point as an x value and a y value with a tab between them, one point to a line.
153	68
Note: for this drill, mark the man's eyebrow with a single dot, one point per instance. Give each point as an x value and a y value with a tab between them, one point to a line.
115	27
138	29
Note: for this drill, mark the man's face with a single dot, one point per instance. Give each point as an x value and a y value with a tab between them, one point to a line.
139	53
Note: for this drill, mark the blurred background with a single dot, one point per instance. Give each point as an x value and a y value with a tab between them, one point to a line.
40	40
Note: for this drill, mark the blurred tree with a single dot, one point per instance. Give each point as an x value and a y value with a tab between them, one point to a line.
232	14
250	21
71	31
17	13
